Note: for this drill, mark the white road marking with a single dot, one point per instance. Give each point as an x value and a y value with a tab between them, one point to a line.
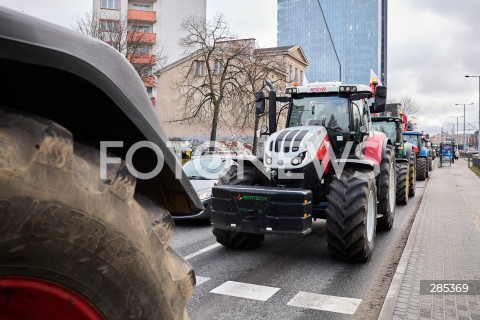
245	290
325	303
201	280
199	252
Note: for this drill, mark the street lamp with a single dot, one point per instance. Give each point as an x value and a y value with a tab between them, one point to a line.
331	40
464	135
453	133
468	76
456	136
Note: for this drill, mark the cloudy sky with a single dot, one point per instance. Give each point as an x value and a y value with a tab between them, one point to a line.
432	45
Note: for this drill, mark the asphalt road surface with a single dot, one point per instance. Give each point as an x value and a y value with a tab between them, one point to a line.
290	277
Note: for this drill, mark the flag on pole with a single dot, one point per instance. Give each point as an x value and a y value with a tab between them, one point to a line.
373	76
304	80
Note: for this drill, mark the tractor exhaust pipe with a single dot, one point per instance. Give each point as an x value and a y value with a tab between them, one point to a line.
272	107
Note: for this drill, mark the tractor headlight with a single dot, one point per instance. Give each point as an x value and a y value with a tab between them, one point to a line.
298	159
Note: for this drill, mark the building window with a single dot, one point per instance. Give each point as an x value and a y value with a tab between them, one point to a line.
142	28
141	6
111	4
199	68
149	91
116	45
218	66
290	73
141	49
296	74
110	25
301	77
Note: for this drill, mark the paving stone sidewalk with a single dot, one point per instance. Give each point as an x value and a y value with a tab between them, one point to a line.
444	244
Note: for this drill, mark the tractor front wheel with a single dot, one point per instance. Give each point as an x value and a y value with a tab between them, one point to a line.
351	215
421	169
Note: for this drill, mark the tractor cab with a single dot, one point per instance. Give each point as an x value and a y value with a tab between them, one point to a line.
324	112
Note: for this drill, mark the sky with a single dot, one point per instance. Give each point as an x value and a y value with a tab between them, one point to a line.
432	45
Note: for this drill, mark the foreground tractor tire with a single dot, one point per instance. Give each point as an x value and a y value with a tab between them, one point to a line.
236	239
421	168
351	215
387	197
403	169
412	184
94	242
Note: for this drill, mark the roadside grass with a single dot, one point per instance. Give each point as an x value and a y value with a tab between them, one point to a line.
475	170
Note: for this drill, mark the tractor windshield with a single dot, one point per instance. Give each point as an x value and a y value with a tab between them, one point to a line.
391	130
330	111
412	139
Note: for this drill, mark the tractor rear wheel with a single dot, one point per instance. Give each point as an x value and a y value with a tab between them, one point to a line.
387	196
430	163
73	246
351	215
237	239
402	182
412	177
421	168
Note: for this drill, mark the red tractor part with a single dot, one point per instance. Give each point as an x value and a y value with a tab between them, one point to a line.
37	299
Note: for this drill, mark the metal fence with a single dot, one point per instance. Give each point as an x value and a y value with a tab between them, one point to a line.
476	162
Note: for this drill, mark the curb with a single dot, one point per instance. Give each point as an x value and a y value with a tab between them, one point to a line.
392	295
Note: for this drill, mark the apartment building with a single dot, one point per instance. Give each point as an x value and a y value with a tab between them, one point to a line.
154	25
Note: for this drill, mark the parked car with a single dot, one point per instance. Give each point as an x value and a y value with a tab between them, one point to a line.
204	172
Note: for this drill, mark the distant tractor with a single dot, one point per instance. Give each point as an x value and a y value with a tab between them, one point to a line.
393	123
422	154
327	163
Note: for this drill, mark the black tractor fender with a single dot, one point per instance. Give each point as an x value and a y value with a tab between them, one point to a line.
386	142
86	86
357	163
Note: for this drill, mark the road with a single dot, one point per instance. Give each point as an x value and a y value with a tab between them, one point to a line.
290	277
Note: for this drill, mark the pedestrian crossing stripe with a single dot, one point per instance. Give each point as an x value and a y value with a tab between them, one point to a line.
302	299
325	303
245	290
200	280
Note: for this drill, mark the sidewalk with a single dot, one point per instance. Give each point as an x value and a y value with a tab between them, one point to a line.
444	244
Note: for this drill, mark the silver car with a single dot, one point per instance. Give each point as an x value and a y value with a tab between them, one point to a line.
203	173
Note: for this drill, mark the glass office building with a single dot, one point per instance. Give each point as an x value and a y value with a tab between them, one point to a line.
358	36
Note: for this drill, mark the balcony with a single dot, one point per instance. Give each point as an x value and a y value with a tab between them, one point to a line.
142	58
141	15
149	81
142	37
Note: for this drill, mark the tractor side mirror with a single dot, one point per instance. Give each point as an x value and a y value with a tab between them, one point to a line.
380	99
259	102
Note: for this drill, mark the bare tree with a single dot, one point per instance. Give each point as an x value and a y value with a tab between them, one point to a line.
130	38
409	106
211	85
255	69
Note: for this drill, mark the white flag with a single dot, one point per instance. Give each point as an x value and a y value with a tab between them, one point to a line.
304	80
